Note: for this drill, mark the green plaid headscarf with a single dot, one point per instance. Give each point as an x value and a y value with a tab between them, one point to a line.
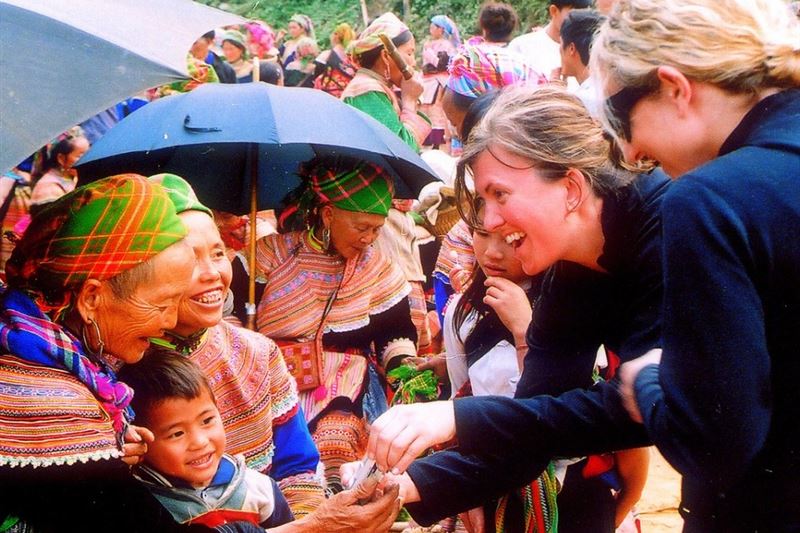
97	231
363	187
180	193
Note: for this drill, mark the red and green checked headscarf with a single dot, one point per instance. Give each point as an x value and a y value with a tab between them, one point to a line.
97	231
361	187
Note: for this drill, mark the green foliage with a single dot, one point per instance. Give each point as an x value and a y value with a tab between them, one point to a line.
326	14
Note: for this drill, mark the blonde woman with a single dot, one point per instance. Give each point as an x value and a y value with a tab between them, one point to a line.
709	88
552	189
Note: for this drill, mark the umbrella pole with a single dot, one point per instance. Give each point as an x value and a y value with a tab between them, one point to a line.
251	299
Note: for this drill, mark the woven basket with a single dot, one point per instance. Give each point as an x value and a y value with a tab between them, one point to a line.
446	214
445	220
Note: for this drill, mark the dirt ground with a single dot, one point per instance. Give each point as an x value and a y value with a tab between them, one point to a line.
658	508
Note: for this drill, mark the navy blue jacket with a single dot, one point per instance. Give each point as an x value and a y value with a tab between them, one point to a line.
577	310
723	406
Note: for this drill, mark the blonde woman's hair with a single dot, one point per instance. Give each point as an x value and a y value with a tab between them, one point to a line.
741	46
345	33
550	128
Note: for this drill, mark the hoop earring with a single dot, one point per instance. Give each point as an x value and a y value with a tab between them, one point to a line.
87	346
326	238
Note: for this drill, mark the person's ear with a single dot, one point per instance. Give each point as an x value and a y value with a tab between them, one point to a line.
89	299
676	88
572	50
552	9
326	215
576	185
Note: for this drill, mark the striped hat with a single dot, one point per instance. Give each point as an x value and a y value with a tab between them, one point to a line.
95	232
361	187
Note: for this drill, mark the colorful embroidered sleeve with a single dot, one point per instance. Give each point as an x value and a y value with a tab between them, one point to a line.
266	257
49	418
409	126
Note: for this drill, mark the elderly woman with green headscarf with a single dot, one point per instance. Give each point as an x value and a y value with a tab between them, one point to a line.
98	272
372	88
257	397
331	295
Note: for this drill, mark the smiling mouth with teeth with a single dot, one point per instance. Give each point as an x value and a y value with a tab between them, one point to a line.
211	297
515	239
202	460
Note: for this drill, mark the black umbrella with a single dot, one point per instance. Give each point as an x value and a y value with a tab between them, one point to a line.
240	145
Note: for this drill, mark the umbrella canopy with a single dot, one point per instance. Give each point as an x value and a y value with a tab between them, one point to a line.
64	61
216	136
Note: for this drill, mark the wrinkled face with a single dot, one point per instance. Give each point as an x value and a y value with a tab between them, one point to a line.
435	31
352	232
296	30
528	212
232	52
202	303
406	51
189	439
495	256
127	324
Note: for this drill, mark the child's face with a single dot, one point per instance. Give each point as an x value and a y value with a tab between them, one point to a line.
189	439
494	255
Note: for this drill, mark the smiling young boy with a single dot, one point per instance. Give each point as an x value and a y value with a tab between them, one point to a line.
185	467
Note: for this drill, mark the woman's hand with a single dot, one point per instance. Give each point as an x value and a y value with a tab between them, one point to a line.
402	433
511	304
437	363
627	377
342	513
410	91
135	446
408	490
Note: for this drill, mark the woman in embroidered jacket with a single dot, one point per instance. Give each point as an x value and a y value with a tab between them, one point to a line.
100	271
332	264
372	88
256	395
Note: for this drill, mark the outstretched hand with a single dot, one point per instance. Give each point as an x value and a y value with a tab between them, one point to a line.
402	433
342	512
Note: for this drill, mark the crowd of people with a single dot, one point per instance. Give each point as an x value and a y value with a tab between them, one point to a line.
624	273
